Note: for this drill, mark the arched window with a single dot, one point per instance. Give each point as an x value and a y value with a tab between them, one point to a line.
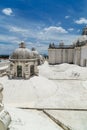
32	70
19	71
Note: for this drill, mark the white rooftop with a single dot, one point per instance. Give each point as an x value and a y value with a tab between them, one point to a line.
60	86
40	92
30	120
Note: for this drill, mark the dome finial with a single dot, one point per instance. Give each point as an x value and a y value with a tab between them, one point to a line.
22	44
33	49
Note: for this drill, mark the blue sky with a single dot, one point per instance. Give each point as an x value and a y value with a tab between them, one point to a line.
40	22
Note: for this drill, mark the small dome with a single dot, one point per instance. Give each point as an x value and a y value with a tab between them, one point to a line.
22	53
81	40
35	53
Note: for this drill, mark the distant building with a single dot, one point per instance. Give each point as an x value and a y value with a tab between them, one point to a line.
23	63
75	53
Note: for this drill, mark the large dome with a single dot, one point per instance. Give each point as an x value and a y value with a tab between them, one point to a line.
22	53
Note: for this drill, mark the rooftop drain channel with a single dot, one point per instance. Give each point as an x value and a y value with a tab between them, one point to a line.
59	123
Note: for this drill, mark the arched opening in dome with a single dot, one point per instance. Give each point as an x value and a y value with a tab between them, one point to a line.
32	70
38	61
19	71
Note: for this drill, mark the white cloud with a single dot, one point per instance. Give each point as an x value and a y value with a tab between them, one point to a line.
7	11
23	32
71	29
55	29
59	23
9	39
66	17
17	29
81	21
47	37
78	30
43	35
39	38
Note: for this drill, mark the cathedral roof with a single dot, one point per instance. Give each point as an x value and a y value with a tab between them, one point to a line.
22	52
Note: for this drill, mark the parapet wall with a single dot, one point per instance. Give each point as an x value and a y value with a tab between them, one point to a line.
3	67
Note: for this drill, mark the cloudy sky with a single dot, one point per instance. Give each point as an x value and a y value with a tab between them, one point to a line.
40	22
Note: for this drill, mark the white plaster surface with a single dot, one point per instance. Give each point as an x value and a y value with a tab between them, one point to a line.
3	68
67	88
30	120
63	71
40	92
27	93
76	120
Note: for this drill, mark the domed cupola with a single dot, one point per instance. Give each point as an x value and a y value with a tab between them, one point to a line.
35	53
22	52
23	64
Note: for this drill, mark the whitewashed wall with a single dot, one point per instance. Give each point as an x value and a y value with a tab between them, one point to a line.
84	55
70	55
52	57
77	55
65	55
25	68
58	56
